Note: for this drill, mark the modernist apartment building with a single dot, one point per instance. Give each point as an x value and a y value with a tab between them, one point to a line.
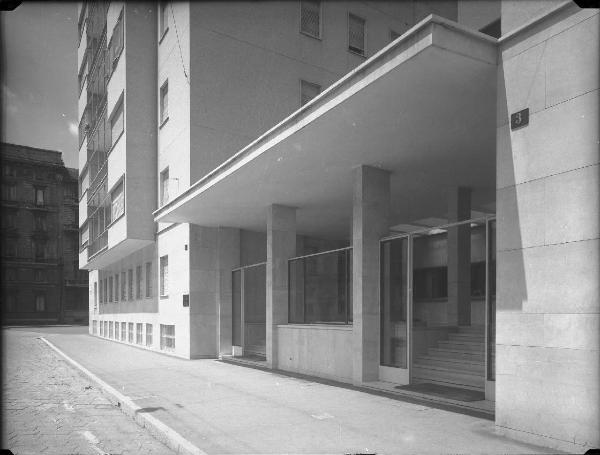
40	265
387	194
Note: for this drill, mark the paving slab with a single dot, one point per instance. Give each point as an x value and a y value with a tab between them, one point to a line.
229	409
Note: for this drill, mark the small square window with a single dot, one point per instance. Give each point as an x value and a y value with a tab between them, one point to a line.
356	34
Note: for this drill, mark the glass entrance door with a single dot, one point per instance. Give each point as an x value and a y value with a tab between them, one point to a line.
249	310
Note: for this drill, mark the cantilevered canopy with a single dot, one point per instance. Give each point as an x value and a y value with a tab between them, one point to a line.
423	108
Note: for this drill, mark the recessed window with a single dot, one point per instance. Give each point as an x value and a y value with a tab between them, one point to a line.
39	196
164	102
139	333
310	18
164	187
356	34
115	47
138	282
9	192
81	78
163	18
167	337
85	236
116	287
117	201
40	222
111	330
148	279
95	296
130	334
39	250
117	124
95	327
123	331
110	288
149	335
123	286
116	330
308	91
40	302
40	275
164	276
106	328
130	283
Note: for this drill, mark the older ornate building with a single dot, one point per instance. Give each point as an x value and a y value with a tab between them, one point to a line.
41	279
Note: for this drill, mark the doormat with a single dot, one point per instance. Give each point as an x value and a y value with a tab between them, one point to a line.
442	391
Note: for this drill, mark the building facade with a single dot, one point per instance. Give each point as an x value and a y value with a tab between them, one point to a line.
380	194
42	282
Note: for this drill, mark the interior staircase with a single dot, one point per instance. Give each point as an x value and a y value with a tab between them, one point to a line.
457	362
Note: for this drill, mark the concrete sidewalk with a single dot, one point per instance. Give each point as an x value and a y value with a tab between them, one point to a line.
225	408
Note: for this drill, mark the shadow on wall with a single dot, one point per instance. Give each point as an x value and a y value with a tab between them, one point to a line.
511	278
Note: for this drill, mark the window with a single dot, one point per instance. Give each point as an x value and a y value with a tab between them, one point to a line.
130	283
164	102
39	221
148	334
81	77
167	337
356	34
320	288
164	187
110	288
308	91
394	35
40	302
82	20
106	328
9	192
118	201
138	282
101	296
111	330
85	236
164	276
95	327
39	196
39	250
117	123
130	332
123	287
139	333
105	290
10	248
148	279
163	13
10	219
310	18
116	43
101	328
116	330
95	296
123	331
40	275
116	287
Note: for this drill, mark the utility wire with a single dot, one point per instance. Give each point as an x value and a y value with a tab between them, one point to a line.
178	44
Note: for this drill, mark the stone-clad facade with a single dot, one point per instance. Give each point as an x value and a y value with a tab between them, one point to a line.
41	279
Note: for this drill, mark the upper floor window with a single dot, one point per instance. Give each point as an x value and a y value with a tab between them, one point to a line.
116	43
118	201
123	286
138	282
39	221
117	122
81	77
10	248
85	236
164	187
164	102
9	192
39	196
110	288
310	18
40	302
82	18
9	170
39	250
116	287
356	34
10	219
148	279
163	18
308	91
130	283
164	276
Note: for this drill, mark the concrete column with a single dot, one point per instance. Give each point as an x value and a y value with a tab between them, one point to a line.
459	258
228	258
281	245
370	222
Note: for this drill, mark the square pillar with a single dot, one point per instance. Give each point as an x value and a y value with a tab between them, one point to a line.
228	258
370	222
281	246
459	258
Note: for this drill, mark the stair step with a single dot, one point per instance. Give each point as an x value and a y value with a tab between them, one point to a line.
456	364
454	354
449	376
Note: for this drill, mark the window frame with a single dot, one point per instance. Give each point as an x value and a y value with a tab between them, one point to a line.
164	183
164	281
130	284
36	200
305	33
348	47
139	333
40	297
164	337
118	216
163	25
163	113
148	279
138	282
119	107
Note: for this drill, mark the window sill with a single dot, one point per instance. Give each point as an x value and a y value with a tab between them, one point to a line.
162	37
163	123
318	38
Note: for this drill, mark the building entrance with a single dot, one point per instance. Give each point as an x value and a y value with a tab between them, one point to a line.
437	307
249	310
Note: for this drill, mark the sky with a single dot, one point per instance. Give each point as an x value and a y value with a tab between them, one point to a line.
39	77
